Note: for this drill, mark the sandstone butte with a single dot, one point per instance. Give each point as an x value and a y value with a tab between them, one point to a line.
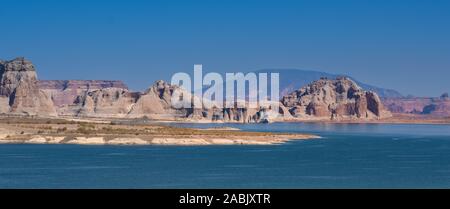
21	93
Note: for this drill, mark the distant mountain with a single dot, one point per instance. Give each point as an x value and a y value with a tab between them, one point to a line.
294	79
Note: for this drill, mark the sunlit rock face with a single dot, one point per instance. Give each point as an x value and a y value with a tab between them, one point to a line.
425	106
339	98
64	92
19	91
22	93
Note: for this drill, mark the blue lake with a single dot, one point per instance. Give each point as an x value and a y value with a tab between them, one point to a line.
348	156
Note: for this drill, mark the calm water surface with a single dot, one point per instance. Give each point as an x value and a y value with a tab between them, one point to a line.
348	156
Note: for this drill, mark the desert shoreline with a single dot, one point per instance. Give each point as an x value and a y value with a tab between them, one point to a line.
397	119
137	131
163	141
15	130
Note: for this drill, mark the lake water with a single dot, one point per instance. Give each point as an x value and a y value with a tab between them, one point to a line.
348	156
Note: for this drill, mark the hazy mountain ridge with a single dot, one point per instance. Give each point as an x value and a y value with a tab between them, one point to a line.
433	106
293	79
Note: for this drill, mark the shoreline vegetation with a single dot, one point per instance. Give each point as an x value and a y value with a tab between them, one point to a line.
26	130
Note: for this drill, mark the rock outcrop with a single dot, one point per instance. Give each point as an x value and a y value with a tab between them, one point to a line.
64	92
428	106
22	93
336	99
156	103
19	90
108	102
113	102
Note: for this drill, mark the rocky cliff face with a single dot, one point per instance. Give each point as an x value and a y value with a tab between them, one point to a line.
339	98
154	103
108	102
64	92
116	102
431	106
19	91
81	84
22	93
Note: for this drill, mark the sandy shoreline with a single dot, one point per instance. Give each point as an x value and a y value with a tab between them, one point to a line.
59	131
194	140
104	131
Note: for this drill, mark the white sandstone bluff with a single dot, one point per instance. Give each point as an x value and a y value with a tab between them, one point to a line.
22	94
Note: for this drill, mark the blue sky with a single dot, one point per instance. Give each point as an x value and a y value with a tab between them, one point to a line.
403	45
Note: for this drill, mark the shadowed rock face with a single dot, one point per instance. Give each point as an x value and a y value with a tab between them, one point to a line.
19	90
340	98
15	72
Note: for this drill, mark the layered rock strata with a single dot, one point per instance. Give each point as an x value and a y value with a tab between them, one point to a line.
339	98
19	91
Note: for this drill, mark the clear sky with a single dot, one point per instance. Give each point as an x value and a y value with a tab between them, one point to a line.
403	45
